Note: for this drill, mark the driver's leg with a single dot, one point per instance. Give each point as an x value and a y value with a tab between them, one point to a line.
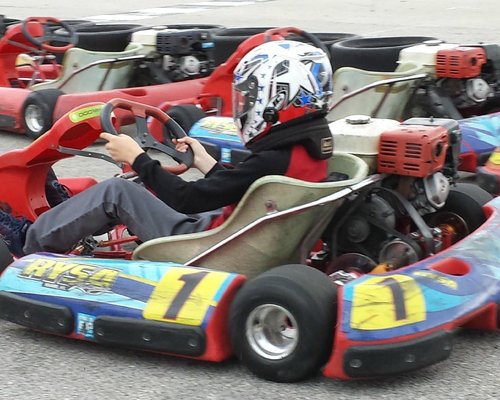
99	208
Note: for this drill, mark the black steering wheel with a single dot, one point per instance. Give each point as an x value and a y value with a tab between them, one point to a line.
291	30
40	31
171	130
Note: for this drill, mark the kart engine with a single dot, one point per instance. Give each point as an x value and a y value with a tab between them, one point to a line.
173	55
469	75
466	76
385	224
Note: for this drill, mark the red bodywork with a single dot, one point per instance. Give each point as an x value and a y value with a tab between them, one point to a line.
13	43
26	169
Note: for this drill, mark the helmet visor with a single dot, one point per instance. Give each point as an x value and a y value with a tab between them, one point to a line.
239	102
244	97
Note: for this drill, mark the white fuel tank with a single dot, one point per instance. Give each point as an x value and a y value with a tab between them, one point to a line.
360	135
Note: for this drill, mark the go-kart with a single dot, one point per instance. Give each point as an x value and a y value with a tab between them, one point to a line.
365	274
33	81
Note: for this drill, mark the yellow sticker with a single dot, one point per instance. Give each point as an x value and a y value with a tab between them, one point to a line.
442	280
66	275
184	296
85	113
224	125
495	158
384	302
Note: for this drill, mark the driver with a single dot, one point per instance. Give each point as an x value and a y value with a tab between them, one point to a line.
282	91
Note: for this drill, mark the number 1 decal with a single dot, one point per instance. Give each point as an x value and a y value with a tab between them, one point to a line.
384	302
190	282
398	296
184	295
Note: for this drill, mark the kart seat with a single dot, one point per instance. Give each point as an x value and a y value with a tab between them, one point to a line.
91	71
348	79
260	233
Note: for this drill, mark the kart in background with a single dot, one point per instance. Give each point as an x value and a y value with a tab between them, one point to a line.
40	87
171	64
451	81
406	256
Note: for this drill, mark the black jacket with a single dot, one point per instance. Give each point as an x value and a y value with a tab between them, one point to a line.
223	186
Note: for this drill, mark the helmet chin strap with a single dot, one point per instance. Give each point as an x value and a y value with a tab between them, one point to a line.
311	132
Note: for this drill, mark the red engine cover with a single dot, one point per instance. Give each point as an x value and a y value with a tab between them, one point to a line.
413	150
460	62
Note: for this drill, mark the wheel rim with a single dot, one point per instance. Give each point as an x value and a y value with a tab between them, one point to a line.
34	118
451	223
272	331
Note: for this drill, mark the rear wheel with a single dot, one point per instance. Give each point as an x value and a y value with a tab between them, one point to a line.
227	40
373	54
463	211
38	110
282	323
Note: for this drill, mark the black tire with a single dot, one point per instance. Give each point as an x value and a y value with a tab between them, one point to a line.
310	299
105	37
73	23
372	53
210	27
5	256
328	38
227	40
186	115
38	110
6	22
465	200
10	21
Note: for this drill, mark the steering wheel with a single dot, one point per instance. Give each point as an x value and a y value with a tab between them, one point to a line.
291	30
171	130
40	31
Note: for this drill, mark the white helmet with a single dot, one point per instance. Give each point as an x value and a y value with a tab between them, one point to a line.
277	82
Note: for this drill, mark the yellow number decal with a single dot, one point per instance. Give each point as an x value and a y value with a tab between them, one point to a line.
387	302
184	295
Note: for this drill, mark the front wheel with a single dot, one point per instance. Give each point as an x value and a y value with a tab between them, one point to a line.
38	110
282	323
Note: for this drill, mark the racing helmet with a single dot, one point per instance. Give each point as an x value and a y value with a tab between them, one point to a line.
279	82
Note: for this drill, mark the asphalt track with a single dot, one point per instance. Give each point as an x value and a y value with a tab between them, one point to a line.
36	366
